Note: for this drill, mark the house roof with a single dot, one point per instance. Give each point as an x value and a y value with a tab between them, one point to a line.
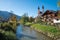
49	12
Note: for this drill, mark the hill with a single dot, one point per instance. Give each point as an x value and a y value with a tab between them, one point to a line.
6	14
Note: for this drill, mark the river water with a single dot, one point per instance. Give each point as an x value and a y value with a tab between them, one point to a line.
26	33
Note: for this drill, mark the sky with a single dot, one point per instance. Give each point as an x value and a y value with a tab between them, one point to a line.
19	7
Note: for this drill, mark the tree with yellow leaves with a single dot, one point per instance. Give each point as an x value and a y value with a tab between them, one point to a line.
58	3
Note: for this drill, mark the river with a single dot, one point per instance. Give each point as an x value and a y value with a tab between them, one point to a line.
26	33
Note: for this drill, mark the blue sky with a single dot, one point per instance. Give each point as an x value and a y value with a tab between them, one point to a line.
20	7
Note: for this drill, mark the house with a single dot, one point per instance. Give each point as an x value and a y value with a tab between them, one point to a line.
58	13
48	16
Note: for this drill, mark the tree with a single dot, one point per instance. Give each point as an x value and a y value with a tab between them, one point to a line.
58	4
13	20
24	18
31	19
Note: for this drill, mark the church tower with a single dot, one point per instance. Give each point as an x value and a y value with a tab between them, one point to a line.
42	8
38	11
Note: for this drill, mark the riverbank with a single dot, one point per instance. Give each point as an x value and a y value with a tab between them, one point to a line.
7	35
50	31
28	24
8	31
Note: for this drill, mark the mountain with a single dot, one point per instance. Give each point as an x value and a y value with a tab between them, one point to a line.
6	14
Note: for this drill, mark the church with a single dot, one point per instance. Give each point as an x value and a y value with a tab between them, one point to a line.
48	15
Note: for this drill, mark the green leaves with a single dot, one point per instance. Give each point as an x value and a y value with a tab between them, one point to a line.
58	4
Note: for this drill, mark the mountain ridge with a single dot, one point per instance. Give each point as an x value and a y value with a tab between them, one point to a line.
6	14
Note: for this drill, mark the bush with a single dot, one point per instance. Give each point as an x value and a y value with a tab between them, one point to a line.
7	35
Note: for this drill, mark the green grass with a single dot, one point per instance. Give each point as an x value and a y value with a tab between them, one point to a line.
45	28
28	23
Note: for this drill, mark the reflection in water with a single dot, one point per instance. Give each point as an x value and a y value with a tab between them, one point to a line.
26	33
20	34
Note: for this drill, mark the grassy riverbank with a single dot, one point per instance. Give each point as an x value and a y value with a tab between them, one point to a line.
28	23
48	30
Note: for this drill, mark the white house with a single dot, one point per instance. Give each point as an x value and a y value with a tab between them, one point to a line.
56	21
